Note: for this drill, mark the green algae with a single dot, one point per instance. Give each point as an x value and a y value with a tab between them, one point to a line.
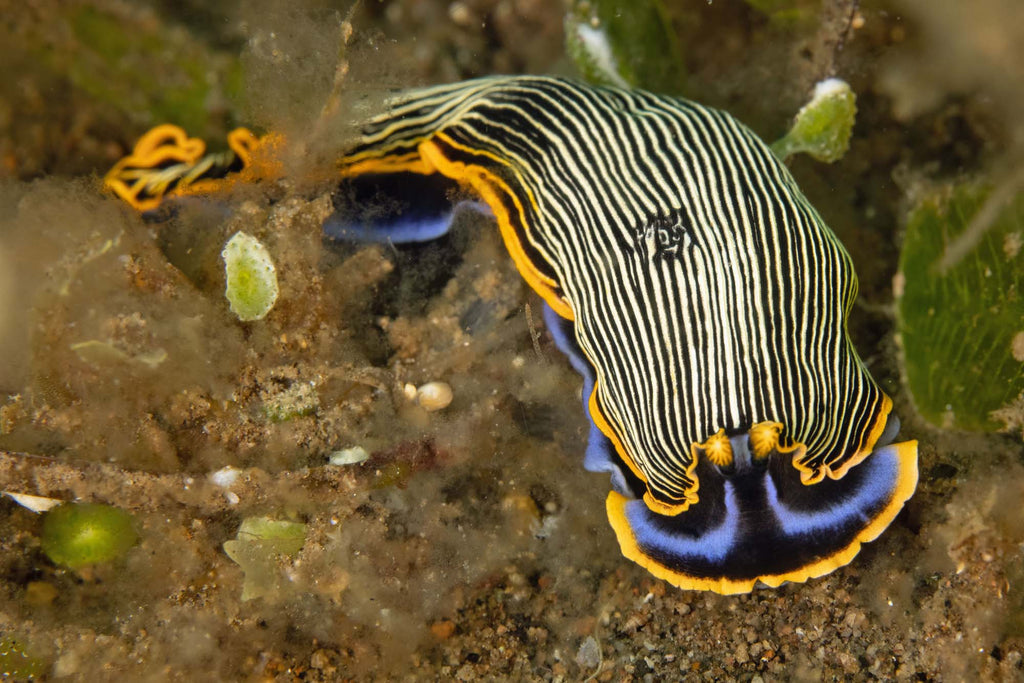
624	43
823	126
961	322
77	535
251	277
258	548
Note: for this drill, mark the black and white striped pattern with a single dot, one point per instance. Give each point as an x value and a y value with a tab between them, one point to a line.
706	291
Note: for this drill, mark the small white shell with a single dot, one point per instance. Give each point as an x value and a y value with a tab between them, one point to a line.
348	456
434	396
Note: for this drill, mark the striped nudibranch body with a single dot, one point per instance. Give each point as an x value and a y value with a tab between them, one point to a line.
702	298
165	161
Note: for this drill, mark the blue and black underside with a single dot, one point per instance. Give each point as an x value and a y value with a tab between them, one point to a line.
754	521
396	208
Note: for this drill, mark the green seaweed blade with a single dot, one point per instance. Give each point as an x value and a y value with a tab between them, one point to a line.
961	328
628	43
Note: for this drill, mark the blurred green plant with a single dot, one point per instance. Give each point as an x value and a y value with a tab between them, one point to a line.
258	548
960	298
628	43
787	13
149	70
77	535
17	662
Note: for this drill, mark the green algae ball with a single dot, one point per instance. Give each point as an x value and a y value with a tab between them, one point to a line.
251	277
76	535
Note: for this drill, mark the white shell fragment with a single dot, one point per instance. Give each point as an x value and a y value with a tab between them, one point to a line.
434	396
225	476
348	456
251	278
36	504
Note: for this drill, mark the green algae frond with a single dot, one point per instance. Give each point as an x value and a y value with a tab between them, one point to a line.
77	535
257	549
824	125
961	320
251	277
626	43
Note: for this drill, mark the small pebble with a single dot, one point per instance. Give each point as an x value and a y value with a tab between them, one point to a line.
434	396
460	14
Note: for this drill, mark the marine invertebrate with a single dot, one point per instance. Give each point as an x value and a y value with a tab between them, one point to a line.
77	535
699	294
166	160
295	401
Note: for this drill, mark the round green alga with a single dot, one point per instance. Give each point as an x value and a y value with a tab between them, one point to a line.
76	535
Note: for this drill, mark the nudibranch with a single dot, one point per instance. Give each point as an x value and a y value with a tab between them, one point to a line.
165	161
693	286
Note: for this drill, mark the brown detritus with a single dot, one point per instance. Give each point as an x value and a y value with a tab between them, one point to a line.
113	313
443	630
142	491
837	22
